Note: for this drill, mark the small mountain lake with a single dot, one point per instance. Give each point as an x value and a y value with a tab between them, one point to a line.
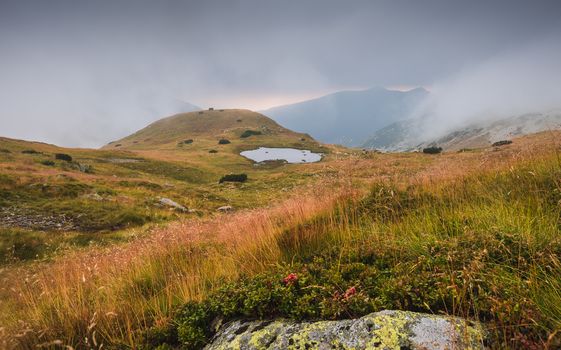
291	155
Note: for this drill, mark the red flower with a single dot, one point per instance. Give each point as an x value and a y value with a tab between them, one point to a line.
350	292
290	279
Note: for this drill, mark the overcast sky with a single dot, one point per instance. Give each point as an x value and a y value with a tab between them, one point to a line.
81	73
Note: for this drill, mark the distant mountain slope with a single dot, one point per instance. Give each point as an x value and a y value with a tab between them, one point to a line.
410	134
348	117
209	126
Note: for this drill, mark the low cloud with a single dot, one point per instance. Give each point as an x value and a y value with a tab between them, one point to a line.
514	83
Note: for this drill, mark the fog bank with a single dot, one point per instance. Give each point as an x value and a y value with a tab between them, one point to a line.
520	81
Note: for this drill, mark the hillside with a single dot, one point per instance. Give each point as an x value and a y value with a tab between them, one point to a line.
54	199
468	234
348	117
412	134
209	126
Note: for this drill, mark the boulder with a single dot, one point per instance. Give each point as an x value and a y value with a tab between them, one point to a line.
225	208
169	203
381	330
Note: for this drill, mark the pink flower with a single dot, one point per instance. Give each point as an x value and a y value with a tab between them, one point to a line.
290	279
350	292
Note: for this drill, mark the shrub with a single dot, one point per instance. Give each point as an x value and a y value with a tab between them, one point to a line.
48	162
213	151
63	156
30	151
3	150
432	150
502	143
249	133
188	141
85	168
233	178
223	142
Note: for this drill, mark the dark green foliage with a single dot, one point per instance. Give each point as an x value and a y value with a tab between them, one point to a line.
186	142
223	142
48	162
3	150
213	151
159	338
63	156
233	178
193	324
502	143
30	151
249	133
432	150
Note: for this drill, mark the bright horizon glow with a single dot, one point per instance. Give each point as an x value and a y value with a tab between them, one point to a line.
257	102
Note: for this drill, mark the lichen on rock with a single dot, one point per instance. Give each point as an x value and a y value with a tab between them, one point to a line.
381	330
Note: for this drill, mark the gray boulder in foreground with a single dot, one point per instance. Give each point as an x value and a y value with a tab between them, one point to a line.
380	330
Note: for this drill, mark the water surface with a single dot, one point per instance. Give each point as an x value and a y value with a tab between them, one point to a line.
291	155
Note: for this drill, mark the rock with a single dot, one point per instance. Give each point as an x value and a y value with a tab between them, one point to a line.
169	203
381	330
225	208
85	168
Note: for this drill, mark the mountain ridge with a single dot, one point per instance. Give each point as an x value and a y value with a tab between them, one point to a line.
348	117
409	135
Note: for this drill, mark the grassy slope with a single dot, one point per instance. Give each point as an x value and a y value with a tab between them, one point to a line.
122	189
474	234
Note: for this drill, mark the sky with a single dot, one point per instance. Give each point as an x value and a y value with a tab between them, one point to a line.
83	73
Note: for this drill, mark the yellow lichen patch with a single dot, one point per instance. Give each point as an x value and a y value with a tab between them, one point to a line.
301	339
392	332
264	336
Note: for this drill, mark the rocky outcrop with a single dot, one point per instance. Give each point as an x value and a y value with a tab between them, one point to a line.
19	217
172	204
381	330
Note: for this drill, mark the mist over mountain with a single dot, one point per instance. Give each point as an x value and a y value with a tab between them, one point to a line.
348	117
406	136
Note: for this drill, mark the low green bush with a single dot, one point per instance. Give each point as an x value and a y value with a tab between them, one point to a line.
30	151
249	133
502	143
63	156
432	150
233	178
48	162
223	142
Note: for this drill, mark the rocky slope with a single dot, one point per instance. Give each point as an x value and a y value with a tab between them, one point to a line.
412	134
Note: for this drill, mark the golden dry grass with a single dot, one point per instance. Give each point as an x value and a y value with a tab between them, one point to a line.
104	296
